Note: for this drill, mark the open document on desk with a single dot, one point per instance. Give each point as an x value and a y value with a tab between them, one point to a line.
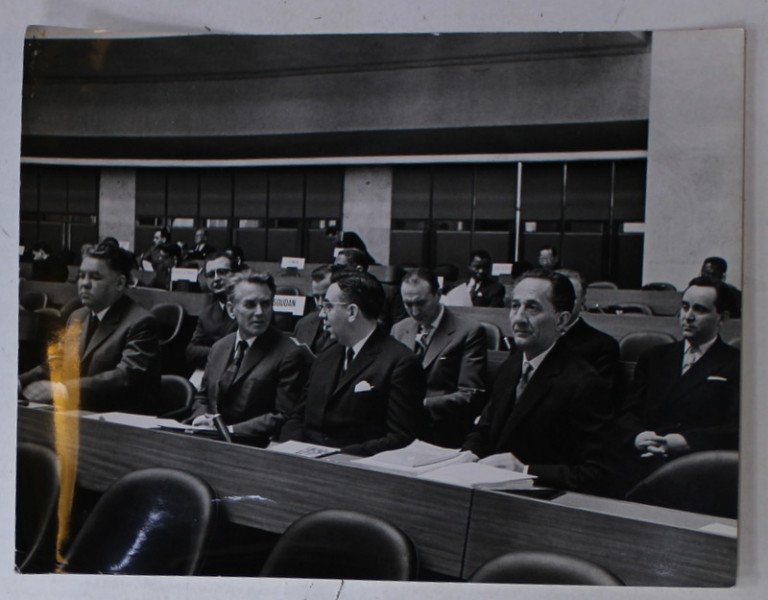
143	421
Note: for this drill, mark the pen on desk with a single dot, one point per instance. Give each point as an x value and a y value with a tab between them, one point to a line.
221	427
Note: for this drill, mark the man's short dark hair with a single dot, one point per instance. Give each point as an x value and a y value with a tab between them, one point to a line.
356	258
413	276
164	233
110	241
574	274
550	248
719	263
119	260
321	272
481	254
250	277
563	296
362	289
724	297
220	254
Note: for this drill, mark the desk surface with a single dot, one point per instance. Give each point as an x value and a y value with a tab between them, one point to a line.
455	529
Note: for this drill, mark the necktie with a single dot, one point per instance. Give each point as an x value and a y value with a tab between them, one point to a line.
691	356
349	356
421	340
524	379
93	325
231	371
473	289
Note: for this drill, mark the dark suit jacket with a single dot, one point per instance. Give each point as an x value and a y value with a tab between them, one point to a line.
120	366
597	348
455	365
560	426
49	270
489	293
702	405
200	254
309	331
266	388
212	325
376	405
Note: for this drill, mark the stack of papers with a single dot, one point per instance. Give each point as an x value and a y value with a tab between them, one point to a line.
144	421
476	475
303	449
416	458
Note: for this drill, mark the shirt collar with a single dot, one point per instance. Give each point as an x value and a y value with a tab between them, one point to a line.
702	347
102	313
248	341
436	323
567	328
536	362
359	346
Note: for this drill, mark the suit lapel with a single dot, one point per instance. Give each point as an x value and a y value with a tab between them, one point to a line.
440	339
106	327
362	361
252	357
698	373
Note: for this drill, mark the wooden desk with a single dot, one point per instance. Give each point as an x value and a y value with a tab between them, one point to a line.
455	529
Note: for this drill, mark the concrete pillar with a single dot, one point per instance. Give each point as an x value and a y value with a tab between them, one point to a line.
695	154
368	207
117	205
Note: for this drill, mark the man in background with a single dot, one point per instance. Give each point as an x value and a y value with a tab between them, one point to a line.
716	268
309	329
484	290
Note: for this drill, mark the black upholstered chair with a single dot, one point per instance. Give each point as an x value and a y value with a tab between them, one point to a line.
702	482
602	285
169	317
150	522
37	495
659	286
493	335
545	568
632	345
340	544
629	308
34	300
176	397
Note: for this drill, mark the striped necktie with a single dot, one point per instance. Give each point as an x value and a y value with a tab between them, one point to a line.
524	379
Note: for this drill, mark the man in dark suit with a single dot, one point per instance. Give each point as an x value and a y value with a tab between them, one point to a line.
254	376
596	347
159	237
214	321
715	268
685	395
309	329
111	339
364	394
484	290
202	248
453	353
548	258
45	267
549	411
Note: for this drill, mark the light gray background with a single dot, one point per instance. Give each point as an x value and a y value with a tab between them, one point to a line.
338	16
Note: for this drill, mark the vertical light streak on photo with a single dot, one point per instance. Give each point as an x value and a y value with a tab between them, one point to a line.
64	362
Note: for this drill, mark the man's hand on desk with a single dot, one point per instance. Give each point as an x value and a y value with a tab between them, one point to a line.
651	444
206	420
504	460
38	391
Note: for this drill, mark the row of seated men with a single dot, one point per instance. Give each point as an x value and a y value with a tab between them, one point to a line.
554	409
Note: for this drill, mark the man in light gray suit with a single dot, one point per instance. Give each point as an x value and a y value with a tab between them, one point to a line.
453	353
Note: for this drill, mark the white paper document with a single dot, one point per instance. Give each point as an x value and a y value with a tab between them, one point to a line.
143	421
458	296
302	449
416	458
475	475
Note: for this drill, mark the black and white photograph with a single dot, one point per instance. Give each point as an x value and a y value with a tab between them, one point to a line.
456	311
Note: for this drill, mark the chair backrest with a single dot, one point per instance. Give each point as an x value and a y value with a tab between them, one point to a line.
447	271
150	522
341	544
544	568
632	345
288	290
493	335
630	308
659	286
703	482
495	360
169	317
37	495
735	343
34	300
176	397
602	285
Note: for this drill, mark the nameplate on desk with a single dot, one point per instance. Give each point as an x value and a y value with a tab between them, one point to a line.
183	274
292	262
289	304
501	269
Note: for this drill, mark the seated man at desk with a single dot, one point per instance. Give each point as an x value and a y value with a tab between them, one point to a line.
549	411
214	321
483	289
685	395
365	393
116	341
159	237
309	329
452	349
596	347
254	375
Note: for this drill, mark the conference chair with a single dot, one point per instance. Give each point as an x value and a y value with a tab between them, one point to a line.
495	360
288	290
449	272
602	285
659	286
34	300
341	544
632	345
629	308
150	522
37	495
702	482
493	335
544	568
176	397
169	317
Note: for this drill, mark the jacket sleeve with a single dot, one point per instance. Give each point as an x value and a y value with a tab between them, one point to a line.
199	347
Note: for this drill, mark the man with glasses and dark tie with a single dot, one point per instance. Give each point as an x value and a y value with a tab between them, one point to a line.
364	393
254	376
214	321
452	350
115	340
685	395
549	412
309	329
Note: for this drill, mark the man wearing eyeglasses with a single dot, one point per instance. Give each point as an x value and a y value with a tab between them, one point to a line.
214	322
254	376
452	350
309	329
364	393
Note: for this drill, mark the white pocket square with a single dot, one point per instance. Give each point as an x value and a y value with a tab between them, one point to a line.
716	378
363	386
